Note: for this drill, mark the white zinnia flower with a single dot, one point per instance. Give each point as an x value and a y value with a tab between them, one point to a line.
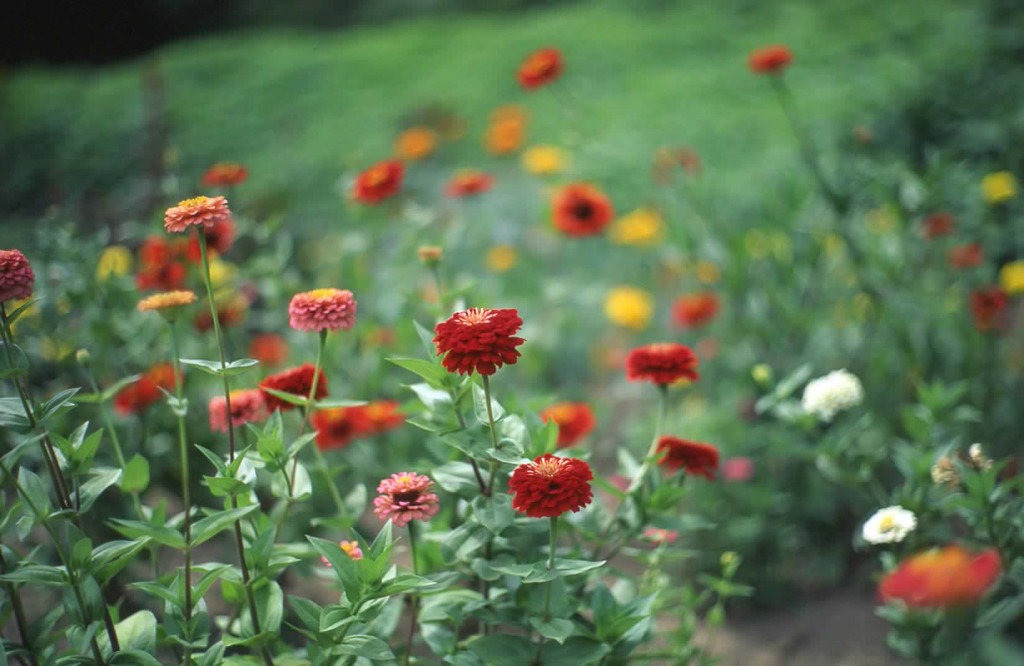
889	525
836	391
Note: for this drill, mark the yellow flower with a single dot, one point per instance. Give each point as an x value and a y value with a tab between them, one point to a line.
643	226
545	160
707	272
762	374
998	187
166	300
782	248
757	244
114	260
629	307
1011	277
501	258
881	220
222	273
415	143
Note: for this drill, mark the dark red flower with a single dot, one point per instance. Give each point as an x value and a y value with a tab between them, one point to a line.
16	276
574	420
949	577
139	396
937	224
662	363
336	428
988	305
225	174
297	381
696	309
479	340
697	458
380	181
540	68
966	256
770	59
581	210
466	183
549	486
268	349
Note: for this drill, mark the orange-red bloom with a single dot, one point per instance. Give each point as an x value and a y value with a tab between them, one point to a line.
220	236
159	267
336	428
139	396
988	305
247	406
465	183
383	415
16	276
966	256
574	420
322	310
198	211
225	174
549	486
947	577
540	68
661	363
770	59
697	458
379	182
230	312
479	340
268	349
693	310
297	381
937	224
581	210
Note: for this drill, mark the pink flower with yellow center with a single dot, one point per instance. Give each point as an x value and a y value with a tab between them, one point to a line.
405	496
16	276
322	310
199	211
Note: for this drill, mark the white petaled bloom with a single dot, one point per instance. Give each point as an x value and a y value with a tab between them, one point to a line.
826	396
889	525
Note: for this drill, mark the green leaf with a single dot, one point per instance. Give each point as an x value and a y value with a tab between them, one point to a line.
133	529
110	557
133	657
14	314
107	394
137	632
37	573
214	367
60	401
207	579
336	403
507	650
90	491
343	566
209	527
480	406
81	554
12	413
308	611
136	475
270	602
302	487
433	373
290	398
427	338
495	513
574	567
18	367
557	630
576	650
35	493
270	441
84	450
366	646
457	477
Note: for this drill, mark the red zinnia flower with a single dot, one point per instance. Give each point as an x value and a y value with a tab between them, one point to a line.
268	349
574	420
692	310
382	415
966	256
380	181
581	210
987	305
297	381
322	310
220	236
247	406
949	577
661	363
225	174
16	276
231	312
470	182
159	267
549	486
404	497
770	59
937	224
336	428
139	396
540	68
198	211
696	458
479	340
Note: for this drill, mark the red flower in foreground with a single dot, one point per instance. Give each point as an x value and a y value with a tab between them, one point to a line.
697	458
247	406
770	59
16	276
966	256
540	68
466	183
198	211
268	349
581	210
139	396
225	174
549	486
322	310
479	340
336	428
574	420
937	224
662	363
379	182
404	497
297	381
987	305
949	577
697	309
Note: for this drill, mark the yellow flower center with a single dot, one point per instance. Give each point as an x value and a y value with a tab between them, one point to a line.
376	176
475	316
194	201
887	524
319	294
549	467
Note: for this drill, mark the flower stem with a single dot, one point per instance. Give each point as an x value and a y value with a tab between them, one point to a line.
552	542
19	613
494	433
413	599
186	490
652	451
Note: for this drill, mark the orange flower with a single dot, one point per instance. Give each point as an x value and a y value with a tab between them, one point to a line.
383	415
415	143
692	310
988	305
966	256
540	68
581	210
770	59
379	182
336	428
139	396
468	182
505	136
225	174
574	420
947	577
166	300
268	349
198	211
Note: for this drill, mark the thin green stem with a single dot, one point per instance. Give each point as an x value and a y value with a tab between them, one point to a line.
659	427
552	545
19	613
494	433
186	486
435	273
472	461
413	599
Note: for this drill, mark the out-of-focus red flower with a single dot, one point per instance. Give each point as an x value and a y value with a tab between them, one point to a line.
297	381
937	224
738	469
247	406
268	349
16	276
230	312
198	211
988	305
581	210
697	458
225	174
383	415
948	577
379	182
469	182
770	59
322	310
696	309
549	486
405	496
574	420
662	363
966	256
141	395
337	428
659	536
479	340
159	265
540	68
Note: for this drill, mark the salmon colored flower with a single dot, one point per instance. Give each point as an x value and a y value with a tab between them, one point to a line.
966	256
505	136
662	363
297	381
225	174
659	536
549	486
141	395
479	340
574	421
580	210
738	469
415	143
949	577
469	182
167	300
430	255
16	276
770	59
379	182
351	548
693	310
268	349
247	406
987	306
937	224
198	211
322	310
336	428
697	458
540	68
404	497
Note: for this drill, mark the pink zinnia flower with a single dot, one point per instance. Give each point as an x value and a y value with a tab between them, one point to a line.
16	276
247	406
351	549
199	211
738	469
322	309
404	497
